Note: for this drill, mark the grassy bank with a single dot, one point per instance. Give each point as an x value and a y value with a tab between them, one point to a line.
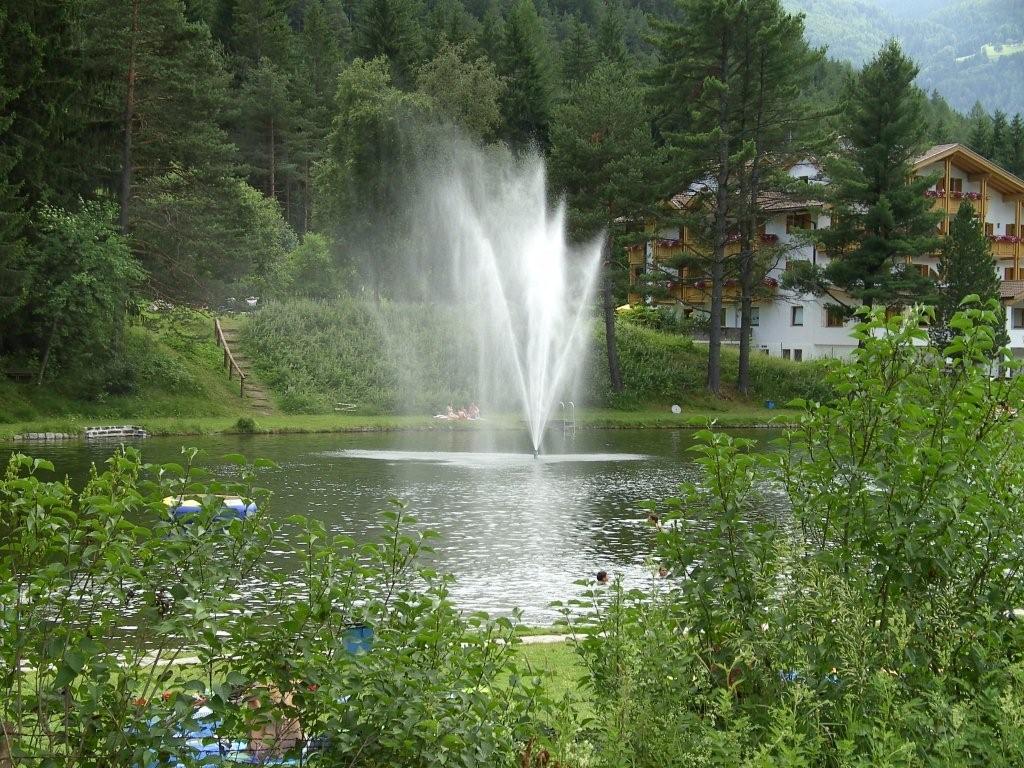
416	359
661	418
314	356
168	368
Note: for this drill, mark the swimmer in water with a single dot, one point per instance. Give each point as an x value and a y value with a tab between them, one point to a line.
602	577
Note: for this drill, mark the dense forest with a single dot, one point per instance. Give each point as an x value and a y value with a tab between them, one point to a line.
970	50
192	150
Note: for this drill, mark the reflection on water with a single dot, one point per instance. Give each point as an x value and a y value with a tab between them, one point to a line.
516	531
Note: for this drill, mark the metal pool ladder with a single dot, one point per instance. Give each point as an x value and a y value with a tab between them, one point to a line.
566	424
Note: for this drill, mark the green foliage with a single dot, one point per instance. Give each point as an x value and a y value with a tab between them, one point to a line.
310	270
78	689
167	364
524	63
871	622
968	269
467	92
410	358
880	214
84	275
660	367
361	180
246	425
390	29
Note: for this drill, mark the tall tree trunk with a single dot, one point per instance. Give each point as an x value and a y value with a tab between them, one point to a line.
272	185
608	305
307	188
746	316
721	227
46	352
125	186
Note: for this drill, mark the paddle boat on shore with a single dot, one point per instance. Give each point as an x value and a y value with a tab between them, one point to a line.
232	507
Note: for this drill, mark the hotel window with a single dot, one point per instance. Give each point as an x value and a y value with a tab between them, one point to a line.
796	221
764	351
1011	229
796	316
724	323
834	316
956	185
755	316
923	270
1018	317
786	354
638	273
989	228
798	355
1007	273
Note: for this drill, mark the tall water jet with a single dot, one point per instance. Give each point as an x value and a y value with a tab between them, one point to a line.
486	238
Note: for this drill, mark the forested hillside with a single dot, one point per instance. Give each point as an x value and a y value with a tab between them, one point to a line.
196	150
969	50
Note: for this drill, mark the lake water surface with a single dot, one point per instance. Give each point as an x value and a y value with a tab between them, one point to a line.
515	531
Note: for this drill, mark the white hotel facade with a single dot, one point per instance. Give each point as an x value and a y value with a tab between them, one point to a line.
799	326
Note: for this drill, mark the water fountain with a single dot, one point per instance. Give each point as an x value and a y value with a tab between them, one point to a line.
484	215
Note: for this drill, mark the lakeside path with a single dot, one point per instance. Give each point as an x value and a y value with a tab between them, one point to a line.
733	416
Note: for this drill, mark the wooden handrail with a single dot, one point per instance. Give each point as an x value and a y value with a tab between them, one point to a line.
229	359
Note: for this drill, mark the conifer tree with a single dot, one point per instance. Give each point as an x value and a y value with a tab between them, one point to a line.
390	28
611	39
1015	146
526	103
700	56
967	267
999	137
880	215
603	158
980	138
579	53
449	23
260	31
320	47
777	128
266	110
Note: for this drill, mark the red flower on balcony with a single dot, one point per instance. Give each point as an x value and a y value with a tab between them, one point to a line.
769	238
1004	239
935	193
771	282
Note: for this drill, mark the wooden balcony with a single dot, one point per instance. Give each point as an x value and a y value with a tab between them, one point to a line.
1004	249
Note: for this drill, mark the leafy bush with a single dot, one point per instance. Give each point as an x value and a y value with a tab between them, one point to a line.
414	358
101	592
874	625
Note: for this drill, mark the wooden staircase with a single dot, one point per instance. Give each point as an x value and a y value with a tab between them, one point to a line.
238	364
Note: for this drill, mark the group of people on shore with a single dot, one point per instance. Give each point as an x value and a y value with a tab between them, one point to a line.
470	413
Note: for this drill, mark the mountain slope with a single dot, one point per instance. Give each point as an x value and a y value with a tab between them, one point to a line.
972	50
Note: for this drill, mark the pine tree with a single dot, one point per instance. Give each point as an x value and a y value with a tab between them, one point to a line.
260	31
967	267
449	22
579	53
777	127
526	103
699	57
390	28
980	138
1015	146
265	110
603	158
611	39
880	215
999	137
319	51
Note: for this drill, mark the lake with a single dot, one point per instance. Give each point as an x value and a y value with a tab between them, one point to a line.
515	531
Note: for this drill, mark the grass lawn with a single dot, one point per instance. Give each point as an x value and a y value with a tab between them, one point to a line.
559	664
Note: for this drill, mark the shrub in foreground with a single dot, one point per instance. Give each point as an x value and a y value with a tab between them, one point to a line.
103	596
872	624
